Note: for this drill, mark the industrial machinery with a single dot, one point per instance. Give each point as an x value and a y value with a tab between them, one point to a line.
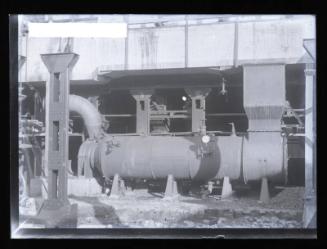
242	123
197	155
156	132
185	104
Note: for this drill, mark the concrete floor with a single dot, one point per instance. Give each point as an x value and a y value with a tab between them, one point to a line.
140	209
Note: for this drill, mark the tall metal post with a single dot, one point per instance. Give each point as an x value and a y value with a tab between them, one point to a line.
59	66
309	214
142	98
21	97
198	96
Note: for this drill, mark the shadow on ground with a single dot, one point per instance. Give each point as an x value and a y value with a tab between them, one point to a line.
104	213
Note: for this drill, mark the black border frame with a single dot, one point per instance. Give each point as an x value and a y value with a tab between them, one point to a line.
206	7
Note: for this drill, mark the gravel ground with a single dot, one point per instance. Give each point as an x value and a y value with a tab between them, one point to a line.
139	209
289	198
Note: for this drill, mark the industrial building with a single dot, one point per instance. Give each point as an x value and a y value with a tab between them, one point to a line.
216	105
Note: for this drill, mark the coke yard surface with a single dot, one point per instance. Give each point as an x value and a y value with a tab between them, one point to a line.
140	209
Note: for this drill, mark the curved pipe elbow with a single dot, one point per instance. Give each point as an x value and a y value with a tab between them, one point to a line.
89	113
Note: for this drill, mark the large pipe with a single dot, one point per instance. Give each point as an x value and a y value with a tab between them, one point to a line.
187	157
89	113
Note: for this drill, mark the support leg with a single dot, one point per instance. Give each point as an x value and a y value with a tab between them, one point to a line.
227	188
210	187
264	192
171	187
118	187
122	185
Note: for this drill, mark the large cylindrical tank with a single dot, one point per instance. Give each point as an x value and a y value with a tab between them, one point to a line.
155	157
245	159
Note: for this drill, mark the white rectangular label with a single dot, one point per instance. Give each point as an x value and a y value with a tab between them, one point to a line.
109	30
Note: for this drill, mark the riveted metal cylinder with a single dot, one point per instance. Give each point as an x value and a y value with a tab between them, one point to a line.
230	148
187	157
155	157
263	156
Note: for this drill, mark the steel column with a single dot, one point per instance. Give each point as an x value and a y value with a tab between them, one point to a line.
310	171
142	98
198	96
59	66
310	208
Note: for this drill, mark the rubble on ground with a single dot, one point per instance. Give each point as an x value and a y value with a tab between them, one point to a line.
140	209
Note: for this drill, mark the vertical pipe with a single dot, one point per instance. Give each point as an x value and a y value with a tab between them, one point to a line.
186	41
236	45
126	44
